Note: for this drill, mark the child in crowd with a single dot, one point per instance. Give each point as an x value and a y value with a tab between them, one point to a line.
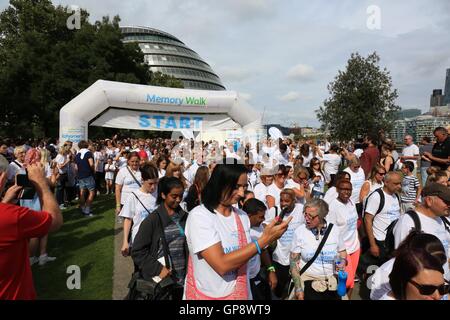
411	188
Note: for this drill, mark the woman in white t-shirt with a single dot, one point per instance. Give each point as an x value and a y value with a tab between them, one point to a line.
133	212
128	179
110	170
332	193
161	164
375	181
343	214
218	237
417	273
357	178
317	179
318	282
274	190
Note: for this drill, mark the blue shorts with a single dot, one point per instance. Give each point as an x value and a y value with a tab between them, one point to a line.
87	183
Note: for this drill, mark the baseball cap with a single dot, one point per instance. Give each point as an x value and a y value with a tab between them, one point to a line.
436	189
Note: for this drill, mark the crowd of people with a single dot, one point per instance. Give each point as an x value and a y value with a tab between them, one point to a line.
280	219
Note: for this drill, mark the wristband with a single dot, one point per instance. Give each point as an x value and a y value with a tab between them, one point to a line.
299	289
118	205
258	248
271	269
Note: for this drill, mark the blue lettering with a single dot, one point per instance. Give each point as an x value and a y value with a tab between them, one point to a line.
158	120
144	120
171	123
185	122
151	98
198	121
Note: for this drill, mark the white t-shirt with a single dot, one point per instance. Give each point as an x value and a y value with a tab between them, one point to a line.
122	162
358	152
189	174
134	210
386	296
254	265
331	165
274	191
60	159
434	226
357	180
109	175
261	191
161	173
203	230
330	195
13	170
379	281
101	161
411	151
345	217
320	185
281	253
389	213
307	160
305	243
128	183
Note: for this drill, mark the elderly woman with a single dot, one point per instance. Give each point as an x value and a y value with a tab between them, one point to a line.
313	271
17	164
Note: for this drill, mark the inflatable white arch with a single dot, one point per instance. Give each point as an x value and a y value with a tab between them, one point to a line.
133	106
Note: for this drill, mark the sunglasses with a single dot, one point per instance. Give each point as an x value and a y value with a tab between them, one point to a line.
428	289
382	173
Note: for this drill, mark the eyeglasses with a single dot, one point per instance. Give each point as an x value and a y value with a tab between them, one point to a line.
310	217
428	289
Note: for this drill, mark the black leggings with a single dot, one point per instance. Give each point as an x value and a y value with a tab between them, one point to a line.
284	278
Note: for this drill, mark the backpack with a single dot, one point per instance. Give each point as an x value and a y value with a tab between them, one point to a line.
389	242
382	200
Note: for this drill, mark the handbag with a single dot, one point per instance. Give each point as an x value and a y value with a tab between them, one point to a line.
142	289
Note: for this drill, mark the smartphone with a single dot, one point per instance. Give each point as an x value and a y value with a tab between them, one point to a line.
23	181
282	214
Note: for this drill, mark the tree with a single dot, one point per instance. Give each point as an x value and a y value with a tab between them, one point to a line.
44	64
361	102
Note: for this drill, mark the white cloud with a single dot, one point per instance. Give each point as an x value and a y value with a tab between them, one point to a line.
233	74
245	96
300	72
290	96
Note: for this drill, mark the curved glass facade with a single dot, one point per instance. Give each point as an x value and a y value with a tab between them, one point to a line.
167	54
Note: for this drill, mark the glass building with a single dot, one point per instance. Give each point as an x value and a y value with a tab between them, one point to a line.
167	54
447	88
417	127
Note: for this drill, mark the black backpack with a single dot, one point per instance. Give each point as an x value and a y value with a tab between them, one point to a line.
389	242
382	200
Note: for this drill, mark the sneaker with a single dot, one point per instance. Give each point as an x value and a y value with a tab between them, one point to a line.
45	258
33	260
62	207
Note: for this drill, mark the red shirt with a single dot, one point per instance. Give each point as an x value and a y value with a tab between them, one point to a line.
17	226
369	159
143	154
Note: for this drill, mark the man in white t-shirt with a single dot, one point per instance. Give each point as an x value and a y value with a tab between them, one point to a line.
377	219
281	253
410	152
432	210
331	161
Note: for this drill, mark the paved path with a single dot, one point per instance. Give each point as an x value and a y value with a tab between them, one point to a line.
123	267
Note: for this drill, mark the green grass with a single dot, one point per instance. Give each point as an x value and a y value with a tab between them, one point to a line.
84	242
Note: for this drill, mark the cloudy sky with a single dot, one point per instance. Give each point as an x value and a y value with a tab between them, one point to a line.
280	55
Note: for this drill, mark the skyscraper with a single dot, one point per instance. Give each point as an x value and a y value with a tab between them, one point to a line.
437	99
447	88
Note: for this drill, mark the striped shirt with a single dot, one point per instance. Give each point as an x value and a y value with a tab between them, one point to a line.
410	184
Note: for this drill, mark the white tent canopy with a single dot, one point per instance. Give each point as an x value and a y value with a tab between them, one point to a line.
141	107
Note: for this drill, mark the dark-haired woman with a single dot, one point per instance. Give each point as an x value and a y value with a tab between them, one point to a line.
164	228
417	273
134	212
162	163
317	179
128	180
193	197
219	241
